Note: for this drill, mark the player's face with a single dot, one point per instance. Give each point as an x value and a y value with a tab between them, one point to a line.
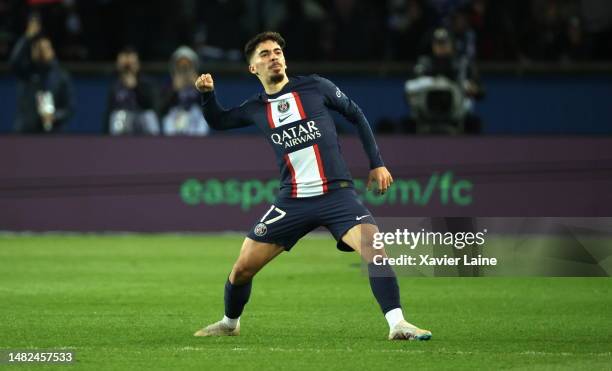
268	62
128	62
442	49
42	51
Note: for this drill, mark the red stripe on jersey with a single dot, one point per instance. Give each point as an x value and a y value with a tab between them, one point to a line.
320	166
299	104
269	112
292	171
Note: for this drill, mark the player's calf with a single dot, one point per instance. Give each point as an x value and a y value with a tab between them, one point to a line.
383	283
253	256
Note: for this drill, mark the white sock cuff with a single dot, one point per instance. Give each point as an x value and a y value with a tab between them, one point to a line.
394	316
230	322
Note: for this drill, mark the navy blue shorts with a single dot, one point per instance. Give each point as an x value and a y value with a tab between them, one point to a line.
290	219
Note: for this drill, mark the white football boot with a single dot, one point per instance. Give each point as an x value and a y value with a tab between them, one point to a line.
218	329
407	331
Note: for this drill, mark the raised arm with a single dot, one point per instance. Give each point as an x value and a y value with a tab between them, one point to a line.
20	60
217	117
338	101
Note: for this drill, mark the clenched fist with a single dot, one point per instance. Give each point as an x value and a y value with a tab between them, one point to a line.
205	83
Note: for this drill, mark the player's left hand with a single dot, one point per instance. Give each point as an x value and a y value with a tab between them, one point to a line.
382	177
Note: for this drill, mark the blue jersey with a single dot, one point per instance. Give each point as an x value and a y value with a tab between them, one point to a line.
298	125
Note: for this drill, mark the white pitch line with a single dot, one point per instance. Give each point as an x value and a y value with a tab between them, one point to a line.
413	351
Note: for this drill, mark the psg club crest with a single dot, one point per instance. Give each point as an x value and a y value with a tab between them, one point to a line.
260	229
283	106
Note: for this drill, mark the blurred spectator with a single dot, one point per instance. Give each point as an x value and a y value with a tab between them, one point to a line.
354	30
463	34
408	21
44	90
300	16
496	29
444	61
504	30
444	8
209	53
464	82
73	48
132	100
180	110
225	22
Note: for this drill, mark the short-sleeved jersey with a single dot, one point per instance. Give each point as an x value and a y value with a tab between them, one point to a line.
300	128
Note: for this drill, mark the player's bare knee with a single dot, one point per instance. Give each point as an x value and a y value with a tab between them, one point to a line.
241	274
369	251
369	254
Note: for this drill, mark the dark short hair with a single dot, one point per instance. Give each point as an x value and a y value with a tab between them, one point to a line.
251	45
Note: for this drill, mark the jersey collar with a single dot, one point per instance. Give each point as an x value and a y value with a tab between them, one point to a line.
265	97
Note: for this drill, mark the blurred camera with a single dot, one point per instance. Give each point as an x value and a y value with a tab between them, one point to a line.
437	105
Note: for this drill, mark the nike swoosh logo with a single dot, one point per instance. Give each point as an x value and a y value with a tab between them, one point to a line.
361	217
281	119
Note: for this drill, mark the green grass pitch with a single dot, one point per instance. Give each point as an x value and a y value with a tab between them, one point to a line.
125	302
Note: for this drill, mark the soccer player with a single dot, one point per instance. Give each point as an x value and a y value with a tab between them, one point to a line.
316	186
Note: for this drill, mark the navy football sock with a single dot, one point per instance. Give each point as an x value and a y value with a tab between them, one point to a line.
236	297
384	286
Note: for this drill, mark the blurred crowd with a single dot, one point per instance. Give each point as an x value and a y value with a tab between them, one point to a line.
135	104
446	39
441	91
322	30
